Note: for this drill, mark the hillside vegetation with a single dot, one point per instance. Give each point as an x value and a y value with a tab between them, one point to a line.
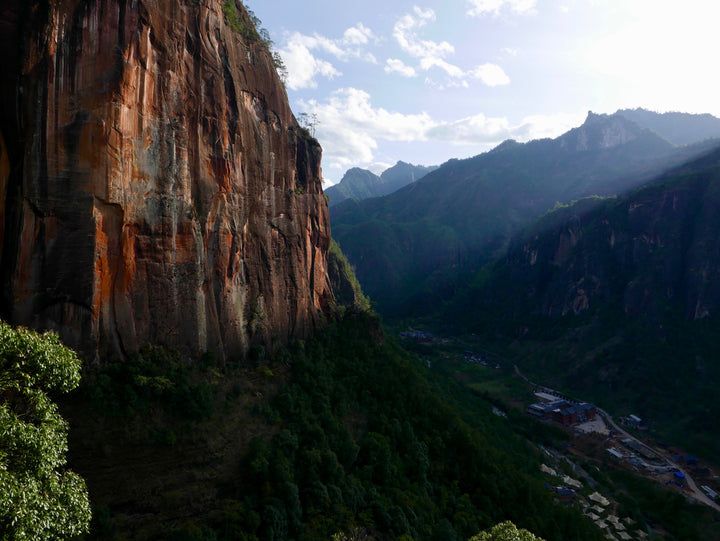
617	300
344	433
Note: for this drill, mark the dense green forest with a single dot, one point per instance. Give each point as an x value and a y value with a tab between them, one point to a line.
352	433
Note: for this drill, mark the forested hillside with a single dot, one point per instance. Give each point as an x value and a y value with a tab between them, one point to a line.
617	300
345	432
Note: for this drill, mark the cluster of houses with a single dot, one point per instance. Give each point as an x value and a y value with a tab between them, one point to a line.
599	511
563	411
565	491
596	507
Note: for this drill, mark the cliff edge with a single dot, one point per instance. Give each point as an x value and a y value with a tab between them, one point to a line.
155	186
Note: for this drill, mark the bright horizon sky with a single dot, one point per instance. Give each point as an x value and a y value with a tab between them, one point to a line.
426	81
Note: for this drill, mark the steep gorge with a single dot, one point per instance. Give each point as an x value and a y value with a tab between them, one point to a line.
155	186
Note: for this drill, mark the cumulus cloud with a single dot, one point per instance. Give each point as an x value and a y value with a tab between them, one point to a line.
543	126
351	128
479	129
471	130
405	32
393	65
358	35
433	55
494	7
301	55
303	67
490	74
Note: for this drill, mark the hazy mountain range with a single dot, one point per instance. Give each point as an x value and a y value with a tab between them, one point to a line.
360	183
591	258
409	247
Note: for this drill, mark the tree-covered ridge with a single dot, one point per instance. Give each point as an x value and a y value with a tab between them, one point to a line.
39	498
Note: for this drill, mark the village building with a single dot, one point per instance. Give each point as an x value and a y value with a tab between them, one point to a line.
563	411
709	492
639	449
599	499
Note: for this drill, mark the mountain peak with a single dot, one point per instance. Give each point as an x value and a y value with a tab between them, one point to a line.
593	117
678	128
601	132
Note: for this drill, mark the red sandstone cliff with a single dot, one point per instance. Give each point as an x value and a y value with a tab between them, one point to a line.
154	184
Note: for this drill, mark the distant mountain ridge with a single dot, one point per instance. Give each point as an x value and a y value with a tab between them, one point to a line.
361	184
678	128
410	247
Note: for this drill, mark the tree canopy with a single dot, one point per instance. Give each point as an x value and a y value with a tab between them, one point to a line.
39	499
505	531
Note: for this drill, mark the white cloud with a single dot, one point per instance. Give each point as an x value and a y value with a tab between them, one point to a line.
490	74
358	35
301	55
405	32
472	130
303	67
542	126
432	54
393	65
494	7
351	129
452	70
479	129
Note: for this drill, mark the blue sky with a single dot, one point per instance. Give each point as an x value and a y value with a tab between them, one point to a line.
426	81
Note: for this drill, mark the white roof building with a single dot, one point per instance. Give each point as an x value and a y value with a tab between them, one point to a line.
599	499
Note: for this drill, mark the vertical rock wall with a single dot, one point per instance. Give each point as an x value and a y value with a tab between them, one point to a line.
154	184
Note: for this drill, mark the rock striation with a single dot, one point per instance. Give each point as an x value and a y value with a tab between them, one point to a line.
651	255
155	186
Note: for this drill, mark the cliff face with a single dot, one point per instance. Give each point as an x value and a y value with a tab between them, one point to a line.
154	184
648	255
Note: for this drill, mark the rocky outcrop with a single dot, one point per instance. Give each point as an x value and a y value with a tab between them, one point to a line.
154	184
648	255
602	132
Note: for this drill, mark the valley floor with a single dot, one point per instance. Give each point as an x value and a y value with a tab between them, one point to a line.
600	443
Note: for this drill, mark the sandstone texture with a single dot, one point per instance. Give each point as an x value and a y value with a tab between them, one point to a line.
155	186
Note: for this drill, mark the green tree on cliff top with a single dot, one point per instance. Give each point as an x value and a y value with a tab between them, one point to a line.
39	499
